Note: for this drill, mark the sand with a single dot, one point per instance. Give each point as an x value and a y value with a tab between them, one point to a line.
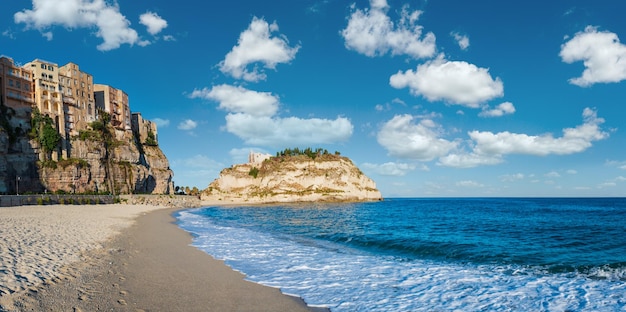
117	258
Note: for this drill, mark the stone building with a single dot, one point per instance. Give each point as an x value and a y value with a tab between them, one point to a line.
78	99
144	129
48	98
114	102
16	92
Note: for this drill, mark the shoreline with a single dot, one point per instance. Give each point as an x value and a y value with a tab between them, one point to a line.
145	262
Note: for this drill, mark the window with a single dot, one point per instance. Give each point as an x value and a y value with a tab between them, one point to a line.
43	66
10	82
18	84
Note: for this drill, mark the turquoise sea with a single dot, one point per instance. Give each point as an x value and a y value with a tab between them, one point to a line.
465	254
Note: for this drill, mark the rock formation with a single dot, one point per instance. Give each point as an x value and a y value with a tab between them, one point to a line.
127	166
328	178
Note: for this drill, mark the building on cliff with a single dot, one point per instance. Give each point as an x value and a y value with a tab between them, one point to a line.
16	91
144	129
114	102
257	158
81	163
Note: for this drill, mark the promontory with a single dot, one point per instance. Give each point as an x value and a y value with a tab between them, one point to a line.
293	175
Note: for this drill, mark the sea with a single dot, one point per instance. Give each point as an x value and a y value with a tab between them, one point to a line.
428	254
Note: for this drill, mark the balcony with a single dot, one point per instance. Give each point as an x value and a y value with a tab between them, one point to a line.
20	97
69	100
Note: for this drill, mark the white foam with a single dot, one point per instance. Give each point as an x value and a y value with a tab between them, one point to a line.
329	275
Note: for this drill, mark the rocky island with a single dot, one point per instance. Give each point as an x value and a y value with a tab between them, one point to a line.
293	176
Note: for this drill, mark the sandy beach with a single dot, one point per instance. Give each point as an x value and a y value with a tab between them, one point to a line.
117	258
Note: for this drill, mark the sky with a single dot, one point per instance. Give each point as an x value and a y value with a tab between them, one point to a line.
429	98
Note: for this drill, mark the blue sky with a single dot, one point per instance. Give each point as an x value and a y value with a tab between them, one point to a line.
428	98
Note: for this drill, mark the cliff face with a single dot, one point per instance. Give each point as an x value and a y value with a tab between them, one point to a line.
328	178
131	167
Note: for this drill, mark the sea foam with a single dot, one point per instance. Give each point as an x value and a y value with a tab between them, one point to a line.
344	279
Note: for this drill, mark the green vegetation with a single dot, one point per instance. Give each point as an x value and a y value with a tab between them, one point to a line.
151	140
43	130
254	171
309	152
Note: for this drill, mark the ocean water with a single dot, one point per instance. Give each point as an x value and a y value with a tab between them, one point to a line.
495	254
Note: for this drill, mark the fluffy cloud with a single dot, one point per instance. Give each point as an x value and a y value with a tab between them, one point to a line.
161	122
455	82
461	40
252	117
505	108
574	140
187	124
404	138
111	25
256	45
371	32
237	99
391	168
489	148
281	132
602	54
153	22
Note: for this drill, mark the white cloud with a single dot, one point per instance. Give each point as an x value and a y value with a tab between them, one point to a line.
282	132
552	174
404	138
461	40
187	124
574	140
161	122
153	22
8	33
512	177
110	24
455	82
256	45
252	117
505	108
392	168
571	171
236	99
620	179
469	183
469	160
488	148
602	54
371	32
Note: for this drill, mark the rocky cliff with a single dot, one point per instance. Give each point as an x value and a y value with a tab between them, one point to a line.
124	165
130	167
301	178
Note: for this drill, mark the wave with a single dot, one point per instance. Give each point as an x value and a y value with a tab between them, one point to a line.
345	278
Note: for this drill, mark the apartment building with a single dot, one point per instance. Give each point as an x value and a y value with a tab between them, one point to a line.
143	127
78	100
48	98
114	102
16	92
